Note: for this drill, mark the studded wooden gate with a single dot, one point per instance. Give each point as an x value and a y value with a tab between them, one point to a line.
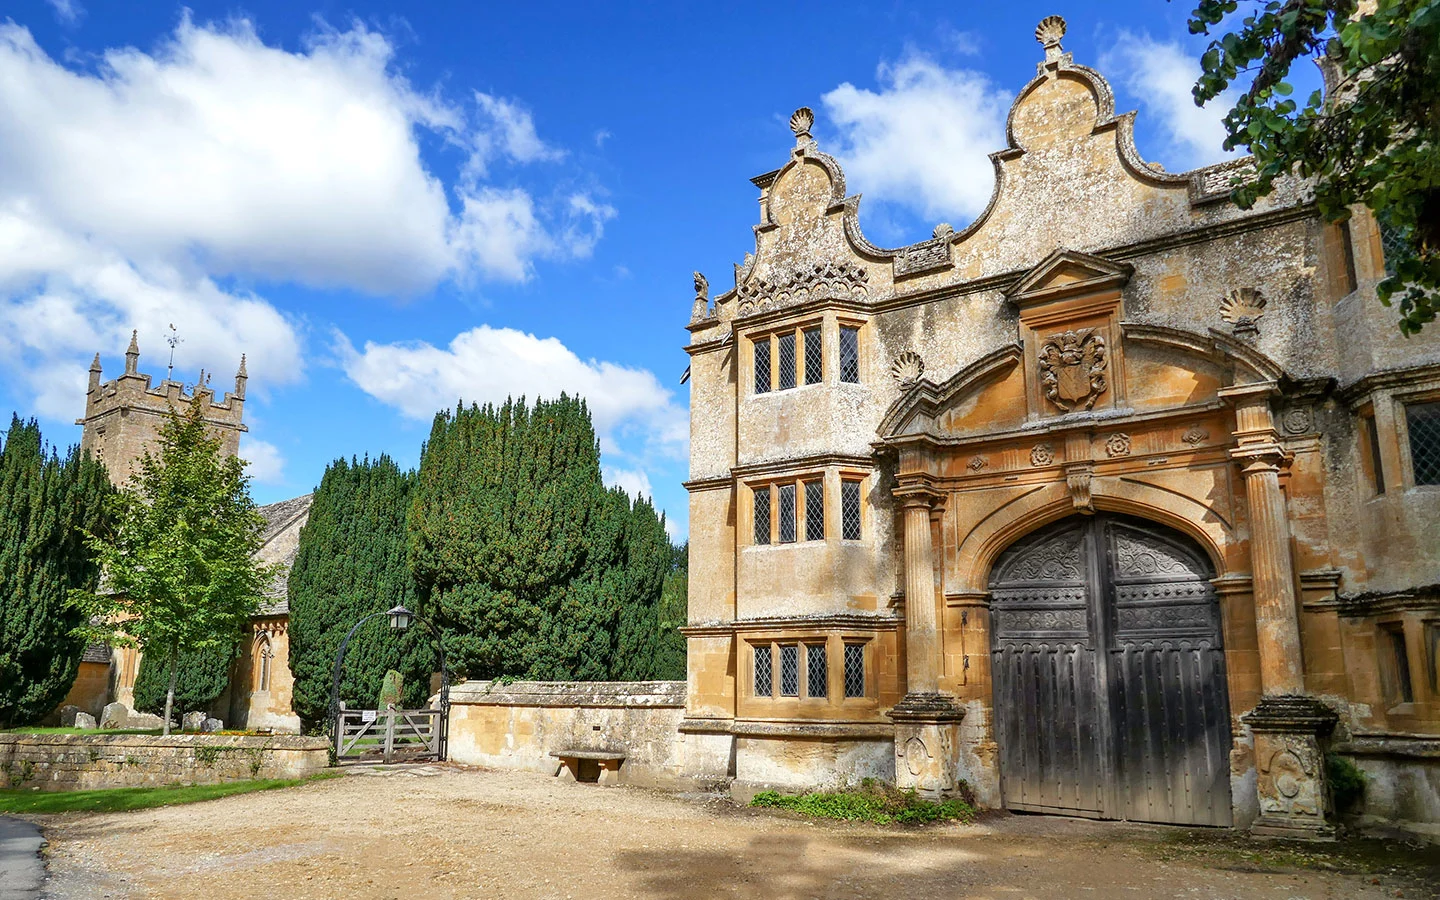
1109	675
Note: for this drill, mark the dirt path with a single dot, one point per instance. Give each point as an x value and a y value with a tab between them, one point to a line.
451	834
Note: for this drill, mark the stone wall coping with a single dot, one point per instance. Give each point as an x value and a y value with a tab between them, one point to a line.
638	694
1413	746
240	741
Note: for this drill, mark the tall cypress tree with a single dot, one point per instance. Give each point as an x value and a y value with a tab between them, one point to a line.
201	676
350	563
47	504
671	613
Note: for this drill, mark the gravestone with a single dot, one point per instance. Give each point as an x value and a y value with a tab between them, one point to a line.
212	725
115	715
67	715
193	721
83	720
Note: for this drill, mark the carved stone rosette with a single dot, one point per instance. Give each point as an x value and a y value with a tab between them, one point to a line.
1073	368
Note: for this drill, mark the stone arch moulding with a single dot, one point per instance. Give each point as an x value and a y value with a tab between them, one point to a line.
977	550
925	399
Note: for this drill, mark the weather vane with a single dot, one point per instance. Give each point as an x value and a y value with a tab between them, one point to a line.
173	339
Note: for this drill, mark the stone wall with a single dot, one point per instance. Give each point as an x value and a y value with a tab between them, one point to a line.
1402	782
55	762
517	726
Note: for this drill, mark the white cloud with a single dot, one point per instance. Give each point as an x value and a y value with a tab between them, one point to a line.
267	465
486	364
924	138
67	12
633	481
508	129
1162	75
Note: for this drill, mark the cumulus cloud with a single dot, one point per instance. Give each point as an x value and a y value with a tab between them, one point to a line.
267	465
633	481
486	364
67	12
923	138
1161	75
508	129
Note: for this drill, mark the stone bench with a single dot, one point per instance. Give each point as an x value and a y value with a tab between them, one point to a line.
602	766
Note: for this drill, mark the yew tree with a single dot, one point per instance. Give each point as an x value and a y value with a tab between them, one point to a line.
180	574
1369	139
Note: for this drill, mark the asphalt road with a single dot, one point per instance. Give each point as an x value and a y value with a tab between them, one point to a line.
22	873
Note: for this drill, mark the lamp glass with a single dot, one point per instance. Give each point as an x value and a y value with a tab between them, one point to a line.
400	618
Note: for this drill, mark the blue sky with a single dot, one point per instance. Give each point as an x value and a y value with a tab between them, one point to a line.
389	211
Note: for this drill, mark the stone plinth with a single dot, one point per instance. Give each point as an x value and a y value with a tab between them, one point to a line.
927	743
1290	732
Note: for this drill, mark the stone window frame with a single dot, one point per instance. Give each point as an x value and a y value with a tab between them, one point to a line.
835	640
1372	465
1401	401
842	324
830	478
264	662
1394	666
771	338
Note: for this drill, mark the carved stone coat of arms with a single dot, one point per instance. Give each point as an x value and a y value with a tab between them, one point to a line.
1073	369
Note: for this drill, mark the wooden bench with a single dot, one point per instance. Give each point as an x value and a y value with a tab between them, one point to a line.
602	766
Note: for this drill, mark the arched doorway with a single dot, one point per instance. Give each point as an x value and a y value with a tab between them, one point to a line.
1109	674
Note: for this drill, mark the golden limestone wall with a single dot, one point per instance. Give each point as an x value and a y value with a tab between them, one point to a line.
1106	338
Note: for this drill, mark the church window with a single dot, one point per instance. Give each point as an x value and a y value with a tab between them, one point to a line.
814	510
850	510
817	672
264	661
762	515
763	684
854	670
787	513
1422	421
849	354
785	352
1370	453
789	670
1395	666
762	365
814	355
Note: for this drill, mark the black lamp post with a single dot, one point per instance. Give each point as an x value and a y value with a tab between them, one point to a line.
399	619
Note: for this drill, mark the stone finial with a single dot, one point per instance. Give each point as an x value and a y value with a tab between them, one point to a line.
95	363
800	122
95	373
240	378
1049	32
943	230
132	354
701	307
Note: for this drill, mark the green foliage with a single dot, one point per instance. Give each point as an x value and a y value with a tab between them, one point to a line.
671	615
875	802
180	567
47	504
1347	781
1370	138
392	690
39	803
200	677
530	565
351	563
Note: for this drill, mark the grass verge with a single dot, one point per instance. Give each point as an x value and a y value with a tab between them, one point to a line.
874	801
124	799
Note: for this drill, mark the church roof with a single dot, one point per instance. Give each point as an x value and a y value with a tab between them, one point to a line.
281	540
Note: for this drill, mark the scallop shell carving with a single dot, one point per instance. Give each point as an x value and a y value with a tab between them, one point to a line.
907	368
1050	30
801	120
1242	308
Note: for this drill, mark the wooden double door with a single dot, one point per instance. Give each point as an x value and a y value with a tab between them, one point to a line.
1109	674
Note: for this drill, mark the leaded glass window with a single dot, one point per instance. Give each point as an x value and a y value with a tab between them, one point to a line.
814	356
763	685
785	348
1393	243
817	673
849	354
850	510
854	670
762	366
787	513
789	670
762	515
1422	420
814	511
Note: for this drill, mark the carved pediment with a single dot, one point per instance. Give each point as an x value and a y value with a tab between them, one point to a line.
1068	273
822	281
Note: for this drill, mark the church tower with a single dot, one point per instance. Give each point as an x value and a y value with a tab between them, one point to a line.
123	417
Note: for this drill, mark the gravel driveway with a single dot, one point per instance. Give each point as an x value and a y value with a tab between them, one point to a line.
442	832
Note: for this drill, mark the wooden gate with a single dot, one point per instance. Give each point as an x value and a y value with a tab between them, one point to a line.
1109	675
391	734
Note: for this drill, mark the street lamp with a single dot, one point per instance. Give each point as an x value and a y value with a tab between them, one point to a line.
400	618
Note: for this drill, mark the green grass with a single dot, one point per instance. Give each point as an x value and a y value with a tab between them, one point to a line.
59	730
124	799
874	801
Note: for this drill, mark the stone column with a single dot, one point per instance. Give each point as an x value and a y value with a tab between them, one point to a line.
927	722
1289	727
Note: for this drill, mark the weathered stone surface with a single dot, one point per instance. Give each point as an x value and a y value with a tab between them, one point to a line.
193	721
67	715
84	720
116	715
212	724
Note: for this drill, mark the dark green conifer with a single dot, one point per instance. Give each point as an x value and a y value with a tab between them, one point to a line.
201	676
47	504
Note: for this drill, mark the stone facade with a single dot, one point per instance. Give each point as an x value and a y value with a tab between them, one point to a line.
54	762
1220	426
